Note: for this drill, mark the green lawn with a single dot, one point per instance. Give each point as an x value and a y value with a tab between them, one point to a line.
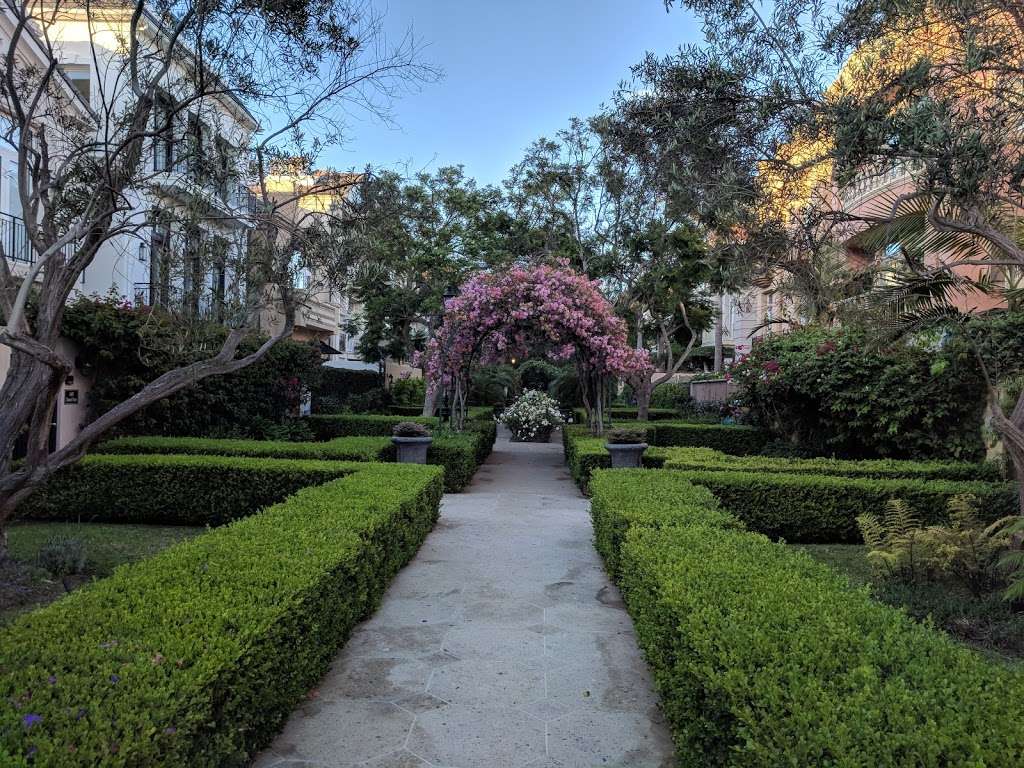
849	558
107	546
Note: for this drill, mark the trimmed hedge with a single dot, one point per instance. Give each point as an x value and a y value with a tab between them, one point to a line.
629	497
734	439
763	656
458	454
341	449
196	657
584	454
823	509
173	489
714	461
330	426
628	414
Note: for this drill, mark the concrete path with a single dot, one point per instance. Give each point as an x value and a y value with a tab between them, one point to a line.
503	644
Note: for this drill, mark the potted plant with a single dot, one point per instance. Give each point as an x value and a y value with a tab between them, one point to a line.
411	440
626	446
532	417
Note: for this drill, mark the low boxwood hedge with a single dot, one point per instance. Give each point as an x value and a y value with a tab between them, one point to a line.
197	656
340	449
618	413
459	454
823	509
173	489
584	454
734	439
763	656
330	426
715	461
628	497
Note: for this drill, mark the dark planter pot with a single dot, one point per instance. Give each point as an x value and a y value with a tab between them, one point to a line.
542	436
412	450
626	455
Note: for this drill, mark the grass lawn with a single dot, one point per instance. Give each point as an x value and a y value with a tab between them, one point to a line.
24	585
988	624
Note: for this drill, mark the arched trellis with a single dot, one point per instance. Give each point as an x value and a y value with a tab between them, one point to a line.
548	308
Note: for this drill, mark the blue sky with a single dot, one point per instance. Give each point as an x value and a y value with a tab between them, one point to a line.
514	70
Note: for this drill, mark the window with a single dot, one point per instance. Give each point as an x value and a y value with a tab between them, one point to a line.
163	125
79	75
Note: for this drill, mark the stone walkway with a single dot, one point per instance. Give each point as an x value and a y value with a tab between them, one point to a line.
503	644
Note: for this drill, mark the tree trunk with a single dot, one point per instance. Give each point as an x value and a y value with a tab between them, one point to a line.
718	335
643	391
429	401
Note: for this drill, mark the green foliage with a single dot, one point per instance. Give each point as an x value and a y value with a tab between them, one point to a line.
737	440
538	374
173	489
670	396
409	391
197	656
965	550
584	454
340	388
628	413
410	429
625	436
702	459
62	556
125	348
493	385
764	657
819	508
834	392
330	426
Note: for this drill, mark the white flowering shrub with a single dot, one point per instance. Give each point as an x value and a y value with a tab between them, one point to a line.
533	414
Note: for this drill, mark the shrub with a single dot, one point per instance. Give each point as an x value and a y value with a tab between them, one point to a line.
62	556
733	439
837	393
823	509
197	655
624	498
173	490
701	459
670	396
409	392
625	436
584	454
341	449
330	426
338	385
410	429
617	413
533	414
764	657
405	410
538	374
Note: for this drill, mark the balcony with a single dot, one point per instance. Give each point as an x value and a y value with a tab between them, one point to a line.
184	177
16	245
207	305
872	180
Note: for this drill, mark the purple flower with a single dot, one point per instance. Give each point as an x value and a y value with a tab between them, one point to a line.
115	679
170	730
52	679
31	719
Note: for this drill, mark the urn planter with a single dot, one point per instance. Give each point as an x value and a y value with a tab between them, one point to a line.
626	455
412	450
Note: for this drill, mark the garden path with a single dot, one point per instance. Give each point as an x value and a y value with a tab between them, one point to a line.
502	644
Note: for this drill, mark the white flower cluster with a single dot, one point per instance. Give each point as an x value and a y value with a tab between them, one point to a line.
533	412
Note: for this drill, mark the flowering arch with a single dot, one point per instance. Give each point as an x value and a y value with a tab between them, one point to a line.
550	309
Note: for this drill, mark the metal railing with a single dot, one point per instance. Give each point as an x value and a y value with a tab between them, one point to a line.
14	238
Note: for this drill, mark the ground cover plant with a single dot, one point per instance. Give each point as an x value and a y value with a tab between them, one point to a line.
763	656
195	656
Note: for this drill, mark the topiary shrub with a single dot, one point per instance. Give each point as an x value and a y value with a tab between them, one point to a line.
410	429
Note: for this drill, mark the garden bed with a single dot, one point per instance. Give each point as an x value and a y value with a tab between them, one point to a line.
764	656
197	655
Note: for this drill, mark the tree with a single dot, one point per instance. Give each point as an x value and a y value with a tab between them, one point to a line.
169	74
929	89
412	242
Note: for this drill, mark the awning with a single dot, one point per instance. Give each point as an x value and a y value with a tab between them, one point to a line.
328	351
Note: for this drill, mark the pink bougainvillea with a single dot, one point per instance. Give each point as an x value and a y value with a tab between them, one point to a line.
550	310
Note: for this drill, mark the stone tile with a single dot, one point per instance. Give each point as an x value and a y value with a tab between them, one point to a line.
487	681
377	639
337	734
594	618
621	687
613	739
421	702
491	642
594	649
367	677
545	709
401	759
413	611
495	737
503	612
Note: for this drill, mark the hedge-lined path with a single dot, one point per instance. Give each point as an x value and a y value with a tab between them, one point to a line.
503	644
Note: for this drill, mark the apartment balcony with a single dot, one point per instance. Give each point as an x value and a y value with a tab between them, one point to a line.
871	181
15	242
180	178
207	305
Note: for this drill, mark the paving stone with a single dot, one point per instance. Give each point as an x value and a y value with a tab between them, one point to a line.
481	681
478	737
613	739
501	645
